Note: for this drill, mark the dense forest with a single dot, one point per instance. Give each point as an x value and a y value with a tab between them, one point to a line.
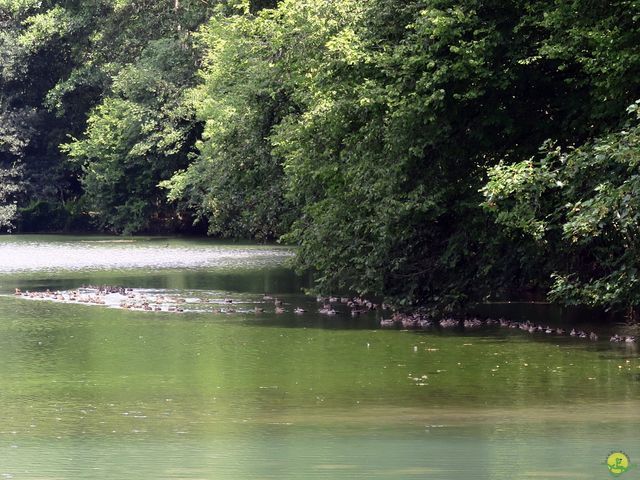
429	152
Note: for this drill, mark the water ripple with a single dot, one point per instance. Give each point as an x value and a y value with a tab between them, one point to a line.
100	255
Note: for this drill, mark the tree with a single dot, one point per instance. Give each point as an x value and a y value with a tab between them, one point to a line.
10	188
236	185
136	138
582	207
404	104
142	131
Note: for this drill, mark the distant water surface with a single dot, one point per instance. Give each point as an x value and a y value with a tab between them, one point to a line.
50	254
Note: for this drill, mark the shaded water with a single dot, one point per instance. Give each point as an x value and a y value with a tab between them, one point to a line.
90	392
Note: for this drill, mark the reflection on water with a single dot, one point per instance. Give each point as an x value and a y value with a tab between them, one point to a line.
90	393
32	254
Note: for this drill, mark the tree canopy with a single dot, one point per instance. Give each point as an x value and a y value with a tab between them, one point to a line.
430	152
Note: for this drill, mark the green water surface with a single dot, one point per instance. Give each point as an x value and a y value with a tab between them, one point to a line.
91	392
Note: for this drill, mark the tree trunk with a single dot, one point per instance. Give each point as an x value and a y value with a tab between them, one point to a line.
176	7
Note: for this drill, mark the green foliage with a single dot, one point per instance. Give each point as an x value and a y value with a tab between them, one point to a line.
35	47
10	188
385	157
132	142
142	131
63	58
42	27
235	184
375	123
431	152
411	101
526	186
599	42
584	204
109	181
40	215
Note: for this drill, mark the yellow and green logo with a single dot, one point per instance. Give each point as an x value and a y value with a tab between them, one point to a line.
618	463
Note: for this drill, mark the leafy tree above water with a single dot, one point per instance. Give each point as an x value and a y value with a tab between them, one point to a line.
364	132
388	114
64	59
582	207
236	184
135	138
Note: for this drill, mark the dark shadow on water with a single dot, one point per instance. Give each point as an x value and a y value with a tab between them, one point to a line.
539	313
275	280
313	321
546	313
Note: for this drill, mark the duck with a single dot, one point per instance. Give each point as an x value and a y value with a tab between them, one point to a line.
448	323
299	310
409	322
425	323
472	323
327	310
387	323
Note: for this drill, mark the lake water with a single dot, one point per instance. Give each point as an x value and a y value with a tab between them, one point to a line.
91	392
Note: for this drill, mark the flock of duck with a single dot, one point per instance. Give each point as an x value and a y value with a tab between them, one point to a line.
143	300
108	295
357	306
419	321
130	299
